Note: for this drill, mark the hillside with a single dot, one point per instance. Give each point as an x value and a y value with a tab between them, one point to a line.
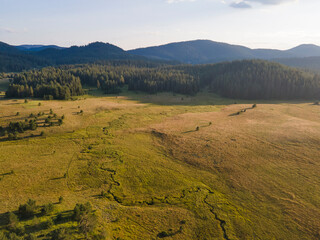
200	51
206	51
37	48
307	63
191	52
14	60
92	52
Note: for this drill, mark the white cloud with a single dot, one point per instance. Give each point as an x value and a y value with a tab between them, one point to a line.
247	3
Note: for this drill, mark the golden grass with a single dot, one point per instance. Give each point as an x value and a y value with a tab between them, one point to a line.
249	176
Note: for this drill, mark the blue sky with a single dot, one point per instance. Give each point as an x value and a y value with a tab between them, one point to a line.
131	24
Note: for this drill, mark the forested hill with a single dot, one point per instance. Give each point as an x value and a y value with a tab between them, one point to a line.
93	52
196	52
248	79
37	48
14	60
206	51
307	63
258	79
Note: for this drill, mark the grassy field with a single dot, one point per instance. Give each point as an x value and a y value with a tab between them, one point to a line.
171	166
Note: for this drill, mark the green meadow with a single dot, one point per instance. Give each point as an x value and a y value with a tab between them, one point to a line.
167	166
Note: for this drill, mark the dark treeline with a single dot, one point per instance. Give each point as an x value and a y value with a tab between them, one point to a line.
19	62
257	79
250	79
67	81
48	83
151	80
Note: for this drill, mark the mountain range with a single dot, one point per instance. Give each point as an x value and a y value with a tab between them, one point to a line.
17	58
206	51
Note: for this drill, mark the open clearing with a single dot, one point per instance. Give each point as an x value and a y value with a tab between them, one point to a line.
188	166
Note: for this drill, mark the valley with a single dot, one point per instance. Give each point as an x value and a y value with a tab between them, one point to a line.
170	166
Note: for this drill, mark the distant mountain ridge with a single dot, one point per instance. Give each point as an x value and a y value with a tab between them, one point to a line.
18	58
37	48
206	51
14	59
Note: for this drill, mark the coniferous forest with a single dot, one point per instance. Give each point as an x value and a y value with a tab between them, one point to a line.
247	79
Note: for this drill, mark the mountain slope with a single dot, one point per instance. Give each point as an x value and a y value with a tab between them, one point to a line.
8	49
199	51
206	51
97	51
308	63
305	50
37	48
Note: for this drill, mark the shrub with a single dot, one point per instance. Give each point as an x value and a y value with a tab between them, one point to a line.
61	234
254	105
39	104
80	210
12	220
19	229
49	224
31	236
26	101
59	217
197	128
18	113
12	136
28	210
42	133
47	209
61	199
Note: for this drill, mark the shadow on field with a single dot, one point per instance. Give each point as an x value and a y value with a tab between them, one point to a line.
202	98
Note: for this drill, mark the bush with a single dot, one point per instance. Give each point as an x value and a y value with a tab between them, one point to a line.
80	210
30	236
12	220
49	224
59	217
47	209
61	234
28	210
61	199
254	105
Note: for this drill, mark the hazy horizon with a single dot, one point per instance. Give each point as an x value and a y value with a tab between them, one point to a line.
275	24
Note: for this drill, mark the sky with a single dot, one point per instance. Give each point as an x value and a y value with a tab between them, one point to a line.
129	24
